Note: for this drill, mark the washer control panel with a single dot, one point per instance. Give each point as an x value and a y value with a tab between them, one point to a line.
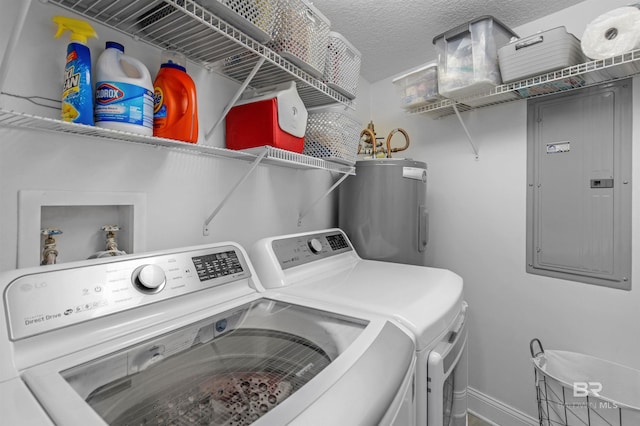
38	302
302	249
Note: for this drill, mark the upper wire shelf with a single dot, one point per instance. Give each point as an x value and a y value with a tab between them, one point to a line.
573	77
185	26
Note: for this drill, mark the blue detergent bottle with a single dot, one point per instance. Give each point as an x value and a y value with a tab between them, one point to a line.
77	92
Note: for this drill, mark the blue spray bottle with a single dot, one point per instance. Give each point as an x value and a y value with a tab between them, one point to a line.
77	92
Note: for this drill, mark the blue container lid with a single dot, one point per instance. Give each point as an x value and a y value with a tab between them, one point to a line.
114	45
172	65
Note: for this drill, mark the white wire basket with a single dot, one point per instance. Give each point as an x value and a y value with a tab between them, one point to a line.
301	35
576	389
342	65
332	134
255	18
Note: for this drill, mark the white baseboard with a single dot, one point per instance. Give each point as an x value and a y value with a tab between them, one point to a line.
496	412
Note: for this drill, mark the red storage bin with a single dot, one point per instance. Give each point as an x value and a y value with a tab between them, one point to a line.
273	116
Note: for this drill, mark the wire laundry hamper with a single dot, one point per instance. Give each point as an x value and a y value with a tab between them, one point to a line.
576	389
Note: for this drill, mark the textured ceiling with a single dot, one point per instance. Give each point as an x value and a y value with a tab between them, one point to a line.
396	35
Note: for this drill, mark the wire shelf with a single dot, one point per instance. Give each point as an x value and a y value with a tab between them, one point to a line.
294	160
186	26
570	78
274	156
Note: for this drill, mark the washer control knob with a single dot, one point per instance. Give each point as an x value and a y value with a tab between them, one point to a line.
315	245
149	278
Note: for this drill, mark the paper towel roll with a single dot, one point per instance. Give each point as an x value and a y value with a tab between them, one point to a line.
613	33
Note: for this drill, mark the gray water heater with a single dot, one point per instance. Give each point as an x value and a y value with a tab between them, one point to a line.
383	210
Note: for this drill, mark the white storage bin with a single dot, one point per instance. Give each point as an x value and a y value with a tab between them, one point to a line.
256	18
419	87
332	134
540	53
468	57
342	65
301	35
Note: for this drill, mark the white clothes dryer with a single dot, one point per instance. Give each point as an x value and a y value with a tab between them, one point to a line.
324	267
190	336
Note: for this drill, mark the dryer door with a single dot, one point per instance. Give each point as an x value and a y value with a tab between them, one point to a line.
447	378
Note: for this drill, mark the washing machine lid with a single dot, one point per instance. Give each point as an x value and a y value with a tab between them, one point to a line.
266	361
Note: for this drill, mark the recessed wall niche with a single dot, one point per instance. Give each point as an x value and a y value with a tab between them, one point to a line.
80	216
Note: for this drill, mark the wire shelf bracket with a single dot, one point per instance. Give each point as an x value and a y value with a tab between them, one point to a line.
236	96
466	131
329	191
259	158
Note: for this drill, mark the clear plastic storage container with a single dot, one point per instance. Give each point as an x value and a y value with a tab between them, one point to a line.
332	134
342	65
301	35
468	57
419	87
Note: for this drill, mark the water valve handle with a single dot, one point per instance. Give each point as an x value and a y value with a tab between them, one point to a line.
50	231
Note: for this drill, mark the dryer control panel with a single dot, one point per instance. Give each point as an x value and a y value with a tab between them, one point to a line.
301	249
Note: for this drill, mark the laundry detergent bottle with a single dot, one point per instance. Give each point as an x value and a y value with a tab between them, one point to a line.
124	92
77	91
175	112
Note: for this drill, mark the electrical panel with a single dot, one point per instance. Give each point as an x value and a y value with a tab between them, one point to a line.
579	185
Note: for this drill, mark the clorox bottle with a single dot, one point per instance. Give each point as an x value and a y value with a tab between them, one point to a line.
124	92
175	113
77	93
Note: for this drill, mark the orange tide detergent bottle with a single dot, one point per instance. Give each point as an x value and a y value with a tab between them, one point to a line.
175	112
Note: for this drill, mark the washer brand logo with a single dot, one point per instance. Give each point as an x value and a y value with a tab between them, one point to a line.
107	93
25	287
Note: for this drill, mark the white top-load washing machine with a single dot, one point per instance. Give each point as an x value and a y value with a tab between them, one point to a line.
188	337
323	266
